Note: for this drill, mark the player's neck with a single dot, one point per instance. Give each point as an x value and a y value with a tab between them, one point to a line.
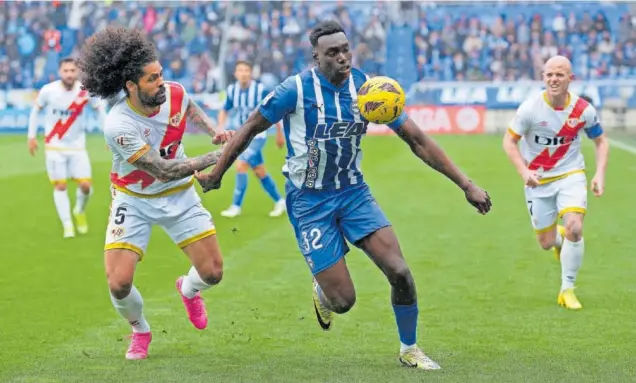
336	81
67	86
558	102
138	107
246	85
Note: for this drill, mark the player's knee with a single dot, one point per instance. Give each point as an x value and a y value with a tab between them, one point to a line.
546	243
343	302
574	229
60	186
119	289
85	187
400	276
242	166
260	171
212	272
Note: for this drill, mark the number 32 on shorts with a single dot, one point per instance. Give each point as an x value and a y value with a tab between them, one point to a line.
311	240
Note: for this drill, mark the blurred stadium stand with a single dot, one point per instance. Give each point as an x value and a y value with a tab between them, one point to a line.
476	54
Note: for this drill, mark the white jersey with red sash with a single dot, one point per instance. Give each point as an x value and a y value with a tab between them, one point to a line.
131	134
64	121
551	138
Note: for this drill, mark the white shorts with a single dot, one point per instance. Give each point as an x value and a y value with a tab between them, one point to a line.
181	215
549	202
64	165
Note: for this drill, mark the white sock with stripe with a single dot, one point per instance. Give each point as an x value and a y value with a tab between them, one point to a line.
192	284
81	200
131	309
63	207
571	261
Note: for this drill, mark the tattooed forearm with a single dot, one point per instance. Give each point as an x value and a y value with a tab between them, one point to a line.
171	170
197	116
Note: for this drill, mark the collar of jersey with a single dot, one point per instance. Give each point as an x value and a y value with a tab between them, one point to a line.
324	81
130	105
567	101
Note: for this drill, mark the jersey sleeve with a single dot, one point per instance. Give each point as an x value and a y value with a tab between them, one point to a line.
592	125
229	101
125	140
521	122
395	125
280	102
43	97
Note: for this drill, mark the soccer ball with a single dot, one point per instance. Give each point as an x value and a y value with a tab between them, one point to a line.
381	100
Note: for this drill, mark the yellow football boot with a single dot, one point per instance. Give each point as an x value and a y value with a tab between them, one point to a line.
415	358
568	300
81	222
323	314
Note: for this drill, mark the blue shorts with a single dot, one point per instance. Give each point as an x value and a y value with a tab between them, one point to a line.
323	220
253	155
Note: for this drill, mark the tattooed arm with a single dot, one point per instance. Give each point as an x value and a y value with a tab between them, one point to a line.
197	116
171	170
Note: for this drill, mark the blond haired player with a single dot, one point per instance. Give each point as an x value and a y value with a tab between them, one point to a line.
549	126
64	103
151	175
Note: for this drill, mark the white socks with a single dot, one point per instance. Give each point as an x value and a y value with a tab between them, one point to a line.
192	284
404	347
81	200
558	240
571	261
130	308
63	206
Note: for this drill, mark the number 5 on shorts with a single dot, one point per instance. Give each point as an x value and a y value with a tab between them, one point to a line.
119	215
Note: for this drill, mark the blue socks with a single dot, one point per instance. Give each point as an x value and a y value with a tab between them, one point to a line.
270	187
239	189
406	318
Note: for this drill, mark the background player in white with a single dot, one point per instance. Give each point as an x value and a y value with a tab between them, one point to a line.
552	167
242	98
151	175
65	123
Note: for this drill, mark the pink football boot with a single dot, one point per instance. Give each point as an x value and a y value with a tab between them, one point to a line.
194	307
139	343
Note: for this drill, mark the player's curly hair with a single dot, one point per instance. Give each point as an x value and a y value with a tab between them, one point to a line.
324	28
111	57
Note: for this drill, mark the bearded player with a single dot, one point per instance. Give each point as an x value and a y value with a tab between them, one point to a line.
151	176
328	200
64	103
550	162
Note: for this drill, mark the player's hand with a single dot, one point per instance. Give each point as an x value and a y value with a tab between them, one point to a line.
531	178
33	146
598	185
208	181
479	198
222	137
280	140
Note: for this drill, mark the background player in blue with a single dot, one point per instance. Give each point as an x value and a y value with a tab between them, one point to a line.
327	198
242	98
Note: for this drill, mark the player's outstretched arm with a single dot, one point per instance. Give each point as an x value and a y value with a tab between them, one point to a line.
602	153
197	116
428	151
171	170
256	123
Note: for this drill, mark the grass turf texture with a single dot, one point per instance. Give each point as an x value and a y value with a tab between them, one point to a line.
487	292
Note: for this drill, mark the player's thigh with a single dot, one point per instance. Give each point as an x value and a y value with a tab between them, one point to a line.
194	232
360	214
56	166
318	236
128	227
120	267
542	208
572	195
80	167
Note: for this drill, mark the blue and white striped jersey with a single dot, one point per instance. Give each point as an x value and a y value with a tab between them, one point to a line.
323	129
244	101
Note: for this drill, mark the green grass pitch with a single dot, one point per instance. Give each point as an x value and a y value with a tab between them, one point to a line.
487	292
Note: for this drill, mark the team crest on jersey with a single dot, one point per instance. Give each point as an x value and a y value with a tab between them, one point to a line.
176	119
572	122
354	107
